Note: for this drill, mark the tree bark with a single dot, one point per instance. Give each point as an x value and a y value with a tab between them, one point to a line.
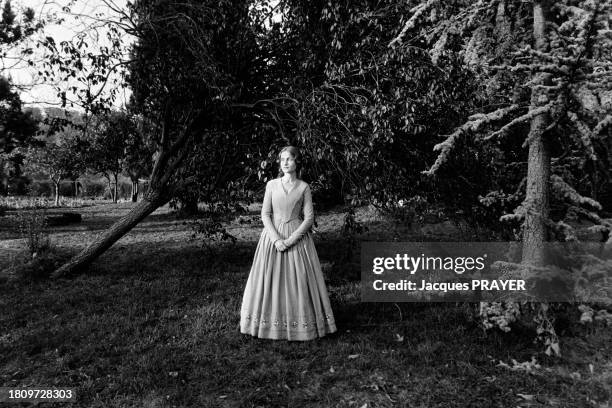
115	190
57	191
3	178
105	240
108	180
538	167
134	190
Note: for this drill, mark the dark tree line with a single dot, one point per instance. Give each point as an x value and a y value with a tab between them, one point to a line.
17	127
481	106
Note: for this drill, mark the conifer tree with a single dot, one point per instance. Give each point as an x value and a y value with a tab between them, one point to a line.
557	56
550	65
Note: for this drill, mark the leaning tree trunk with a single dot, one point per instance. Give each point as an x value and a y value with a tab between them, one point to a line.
538	167
161	189
105	240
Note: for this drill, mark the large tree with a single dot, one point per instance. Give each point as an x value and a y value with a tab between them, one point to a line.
191	63
139	151
17	127
14	30
331	76
59	159
540	61
362	98
108	138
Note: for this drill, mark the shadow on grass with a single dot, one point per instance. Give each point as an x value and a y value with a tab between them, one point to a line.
97	221
172	337
156	324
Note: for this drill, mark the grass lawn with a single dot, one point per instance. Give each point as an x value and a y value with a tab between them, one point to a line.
154	323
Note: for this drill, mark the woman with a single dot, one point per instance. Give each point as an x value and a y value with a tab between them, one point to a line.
285	295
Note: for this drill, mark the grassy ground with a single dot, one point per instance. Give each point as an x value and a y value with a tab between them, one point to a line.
154	323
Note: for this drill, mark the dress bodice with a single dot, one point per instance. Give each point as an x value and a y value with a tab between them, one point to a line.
283	206
287	204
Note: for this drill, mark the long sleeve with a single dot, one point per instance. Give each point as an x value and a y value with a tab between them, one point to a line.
308	219
266	214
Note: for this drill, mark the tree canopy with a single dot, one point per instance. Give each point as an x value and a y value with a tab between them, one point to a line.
494	109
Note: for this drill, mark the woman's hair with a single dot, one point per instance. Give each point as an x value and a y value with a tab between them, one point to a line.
295	152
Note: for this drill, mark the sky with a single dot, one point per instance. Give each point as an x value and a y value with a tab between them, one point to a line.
82	15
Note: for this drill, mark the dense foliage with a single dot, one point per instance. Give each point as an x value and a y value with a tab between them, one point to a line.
17	127
564	78
494	110
60	158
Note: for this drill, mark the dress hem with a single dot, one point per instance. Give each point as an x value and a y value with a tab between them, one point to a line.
271	336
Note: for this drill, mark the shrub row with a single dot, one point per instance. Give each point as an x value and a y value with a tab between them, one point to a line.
88	189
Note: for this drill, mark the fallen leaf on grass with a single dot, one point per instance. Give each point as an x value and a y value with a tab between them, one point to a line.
553	348
526	397
528	366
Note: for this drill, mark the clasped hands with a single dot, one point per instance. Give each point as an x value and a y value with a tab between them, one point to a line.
282	244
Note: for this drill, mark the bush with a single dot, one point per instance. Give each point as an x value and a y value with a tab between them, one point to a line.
100	190
18	185
45	188
90	189
32	227
326	197
95	189
67	188
41	188
27	268
125	190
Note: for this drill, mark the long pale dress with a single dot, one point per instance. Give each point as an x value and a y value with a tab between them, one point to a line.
285	295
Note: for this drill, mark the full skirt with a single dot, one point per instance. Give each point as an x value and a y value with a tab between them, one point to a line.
285	295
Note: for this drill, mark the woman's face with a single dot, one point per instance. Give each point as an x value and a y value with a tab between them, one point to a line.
287	162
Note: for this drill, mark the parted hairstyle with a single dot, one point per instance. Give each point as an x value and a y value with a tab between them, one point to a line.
295	152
